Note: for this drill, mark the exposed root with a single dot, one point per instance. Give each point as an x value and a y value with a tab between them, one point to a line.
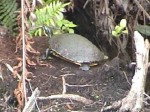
133	102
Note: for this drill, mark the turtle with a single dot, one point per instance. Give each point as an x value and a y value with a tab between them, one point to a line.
75	48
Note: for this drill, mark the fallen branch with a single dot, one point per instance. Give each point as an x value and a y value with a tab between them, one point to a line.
32	100
133	102
66	84
67	96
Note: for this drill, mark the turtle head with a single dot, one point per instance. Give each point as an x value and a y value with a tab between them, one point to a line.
48	30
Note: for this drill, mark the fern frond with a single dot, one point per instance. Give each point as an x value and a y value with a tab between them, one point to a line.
7	14
51	11
52	15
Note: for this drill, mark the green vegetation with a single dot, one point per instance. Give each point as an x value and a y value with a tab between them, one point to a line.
120	29
7	14
52	15
144	29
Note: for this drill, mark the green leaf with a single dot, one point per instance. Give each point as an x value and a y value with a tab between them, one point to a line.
52	22
59	23
71	31
125	31
60	16
40	32
118	29
114	33
144	29
51	15
123	23
68	23
72	25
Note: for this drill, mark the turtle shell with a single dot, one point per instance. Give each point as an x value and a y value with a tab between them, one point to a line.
75	48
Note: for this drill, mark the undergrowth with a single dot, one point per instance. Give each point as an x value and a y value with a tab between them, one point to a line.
8	15
52	15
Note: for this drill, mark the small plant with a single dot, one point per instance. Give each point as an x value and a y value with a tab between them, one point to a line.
120	29
52	15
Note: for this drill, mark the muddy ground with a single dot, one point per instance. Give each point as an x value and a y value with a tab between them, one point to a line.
103	84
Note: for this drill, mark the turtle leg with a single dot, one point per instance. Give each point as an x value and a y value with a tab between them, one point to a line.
47	54
84	67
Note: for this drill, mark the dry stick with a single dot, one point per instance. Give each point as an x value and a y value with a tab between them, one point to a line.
67	96
142	9
1	75
133	102
86	85
24	53
36	104
32	101
64	85
64	82
11	69
85	4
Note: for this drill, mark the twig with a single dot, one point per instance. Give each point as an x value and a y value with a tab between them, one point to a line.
11	69
87	1
67	96
142	9
35	100
64	85
64	82
31	103
126	78
67	74
23	53
78	85
1	75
